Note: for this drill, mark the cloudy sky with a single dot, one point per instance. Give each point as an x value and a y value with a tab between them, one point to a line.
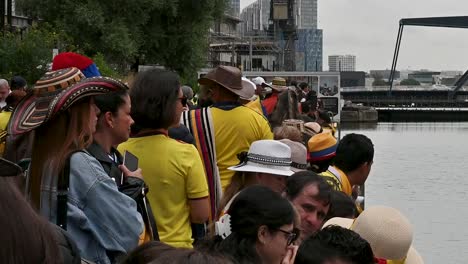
368	29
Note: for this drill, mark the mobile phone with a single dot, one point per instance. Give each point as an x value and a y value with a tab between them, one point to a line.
130	161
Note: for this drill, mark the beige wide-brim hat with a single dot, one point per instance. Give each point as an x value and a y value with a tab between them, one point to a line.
389	233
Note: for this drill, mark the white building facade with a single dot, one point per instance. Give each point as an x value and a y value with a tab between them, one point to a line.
338	63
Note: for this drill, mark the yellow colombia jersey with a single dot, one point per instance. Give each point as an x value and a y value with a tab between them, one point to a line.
174	174
338	180
4	118
235	130
255	105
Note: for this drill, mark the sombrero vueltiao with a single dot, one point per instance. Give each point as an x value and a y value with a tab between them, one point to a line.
56	92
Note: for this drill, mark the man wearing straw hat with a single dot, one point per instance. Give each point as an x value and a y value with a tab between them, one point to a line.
278	85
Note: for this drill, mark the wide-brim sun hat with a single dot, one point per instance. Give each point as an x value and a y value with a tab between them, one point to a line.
226	76
54	93
387	230
389	233
266	156
33	109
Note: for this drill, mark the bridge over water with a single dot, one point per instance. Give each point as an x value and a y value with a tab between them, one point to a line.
412	103
407	96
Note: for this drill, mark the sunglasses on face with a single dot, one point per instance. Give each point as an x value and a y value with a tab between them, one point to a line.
291	236
183	100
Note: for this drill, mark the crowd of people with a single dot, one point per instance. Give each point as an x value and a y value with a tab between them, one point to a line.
244	171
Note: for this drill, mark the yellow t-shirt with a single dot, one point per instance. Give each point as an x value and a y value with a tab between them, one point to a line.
4	118
255	105
338	180
235	130
174	174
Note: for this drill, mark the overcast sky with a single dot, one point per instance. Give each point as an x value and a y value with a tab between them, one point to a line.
368	29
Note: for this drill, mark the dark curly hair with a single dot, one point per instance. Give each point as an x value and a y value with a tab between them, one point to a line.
335	243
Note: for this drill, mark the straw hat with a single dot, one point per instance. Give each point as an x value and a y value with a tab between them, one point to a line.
54	93
266	156
322	146
279	84
298	155
225	76
389	233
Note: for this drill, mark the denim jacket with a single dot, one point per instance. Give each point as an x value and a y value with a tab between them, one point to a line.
100	219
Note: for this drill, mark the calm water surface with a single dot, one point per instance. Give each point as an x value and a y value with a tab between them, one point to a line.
420	169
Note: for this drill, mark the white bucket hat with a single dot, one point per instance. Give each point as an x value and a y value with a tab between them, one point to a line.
389	233
266	156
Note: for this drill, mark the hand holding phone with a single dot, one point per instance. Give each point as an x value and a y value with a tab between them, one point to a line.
130	166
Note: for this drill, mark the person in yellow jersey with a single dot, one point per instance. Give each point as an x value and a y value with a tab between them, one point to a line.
352	164
5	113
174	172
224	129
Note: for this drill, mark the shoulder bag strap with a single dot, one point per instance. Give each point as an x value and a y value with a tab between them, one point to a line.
63	186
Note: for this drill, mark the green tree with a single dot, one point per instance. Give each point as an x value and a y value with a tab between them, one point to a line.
409	82
170	33
27	53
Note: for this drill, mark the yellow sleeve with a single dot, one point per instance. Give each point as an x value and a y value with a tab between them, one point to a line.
266	129
196	185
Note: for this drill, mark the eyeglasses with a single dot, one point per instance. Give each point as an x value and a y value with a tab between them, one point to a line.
183	100
291	236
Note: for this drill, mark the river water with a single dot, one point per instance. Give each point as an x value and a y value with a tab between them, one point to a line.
419	168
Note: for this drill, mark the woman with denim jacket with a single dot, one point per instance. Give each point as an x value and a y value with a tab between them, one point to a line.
102	221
